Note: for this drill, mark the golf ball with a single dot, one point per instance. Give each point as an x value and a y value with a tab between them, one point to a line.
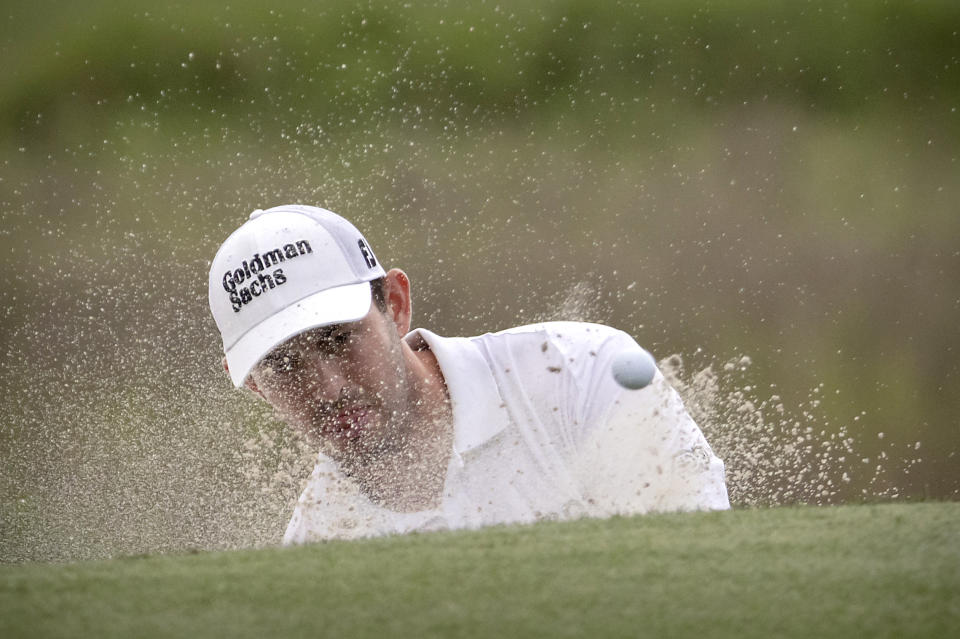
634	368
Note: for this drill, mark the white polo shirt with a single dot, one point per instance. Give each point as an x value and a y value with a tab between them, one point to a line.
541	431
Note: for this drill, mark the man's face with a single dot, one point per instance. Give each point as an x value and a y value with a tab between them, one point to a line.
345	385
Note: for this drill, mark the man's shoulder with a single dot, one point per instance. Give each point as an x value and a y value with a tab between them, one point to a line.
570	350
560	334
557	331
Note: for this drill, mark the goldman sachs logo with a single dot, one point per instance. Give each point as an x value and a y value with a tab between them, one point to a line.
252	280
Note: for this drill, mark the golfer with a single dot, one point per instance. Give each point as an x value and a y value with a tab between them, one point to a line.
420	432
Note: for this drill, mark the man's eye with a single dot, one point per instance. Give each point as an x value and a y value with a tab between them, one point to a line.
335	343
280	364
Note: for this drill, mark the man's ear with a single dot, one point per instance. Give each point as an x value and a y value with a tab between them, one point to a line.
252	386
248	383
396	293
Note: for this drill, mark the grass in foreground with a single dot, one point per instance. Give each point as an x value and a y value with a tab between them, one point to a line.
872	571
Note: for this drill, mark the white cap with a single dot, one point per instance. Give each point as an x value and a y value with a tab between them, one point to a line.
286	270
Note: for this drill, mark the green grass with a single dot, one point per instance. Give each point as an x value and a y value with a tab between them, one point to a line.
339	62
870	571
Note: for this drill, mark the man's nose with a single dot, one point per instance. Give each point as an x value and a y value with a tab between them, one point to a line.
323	381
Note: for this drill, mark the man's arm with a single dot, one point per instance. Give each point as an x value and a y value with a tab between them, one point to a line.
332	506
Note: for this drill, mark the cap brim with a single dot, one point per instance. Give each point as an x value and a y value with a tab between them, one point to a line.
332	306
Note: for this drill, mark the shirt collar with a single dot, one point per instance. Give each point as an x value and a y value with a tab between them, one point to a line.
479	413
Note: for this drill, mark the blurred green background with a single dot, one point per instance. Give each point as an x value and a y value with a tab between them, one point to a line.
742	181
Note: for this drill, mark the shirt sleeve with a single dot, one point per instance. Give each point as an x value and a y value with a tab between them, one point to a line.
332	506
641	451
